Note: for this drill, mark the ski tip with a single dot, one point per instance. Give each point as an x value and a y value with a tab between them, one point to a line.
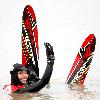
82	61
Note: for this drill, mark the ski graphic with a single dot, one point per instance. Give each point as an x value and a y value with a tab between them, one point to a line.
29	35
83	61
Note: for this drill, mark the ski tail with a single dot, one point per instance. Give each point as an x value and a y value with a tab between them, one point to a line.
30	48
83	61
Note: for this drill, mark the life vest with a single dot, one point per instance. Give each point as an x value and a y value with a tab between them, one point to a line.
12	88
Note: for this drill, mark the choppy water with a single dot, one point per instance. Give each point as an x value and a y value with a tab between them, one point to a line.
58	90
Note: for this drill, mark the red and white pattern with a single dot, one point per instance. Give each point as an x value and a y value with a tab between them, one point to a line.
82	62
30	49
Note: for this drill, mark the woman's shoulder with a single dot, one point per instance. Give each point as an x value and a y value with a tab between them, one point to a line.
11	88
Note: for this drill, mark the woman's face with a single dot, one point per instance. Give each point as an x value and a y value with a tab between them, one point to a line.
23	76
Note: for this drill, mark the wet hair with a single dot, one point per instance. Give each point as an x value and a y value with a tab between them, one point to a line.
14	73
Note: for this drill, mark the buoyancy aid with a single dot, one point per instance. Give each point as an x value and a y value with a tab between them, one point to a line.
12	88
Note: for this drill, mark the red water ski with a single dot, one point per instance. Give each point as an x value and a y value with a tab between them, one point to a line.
30	50
82	62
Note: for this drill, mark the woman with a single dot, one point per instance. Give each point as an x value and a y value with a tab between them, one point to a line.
19	78
25	79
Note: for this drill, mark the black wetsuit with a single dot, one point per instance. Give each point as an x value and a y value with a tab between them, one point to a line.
34	83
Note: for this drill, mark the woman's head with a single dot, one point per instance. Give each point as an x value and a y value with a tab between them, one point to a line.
19	74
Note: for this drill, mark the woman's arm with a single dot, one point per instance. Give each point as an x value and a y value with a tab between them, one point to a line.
47	74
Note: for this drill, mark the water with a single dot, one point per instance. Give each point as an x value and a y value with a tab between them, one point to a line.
58	90
66	22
